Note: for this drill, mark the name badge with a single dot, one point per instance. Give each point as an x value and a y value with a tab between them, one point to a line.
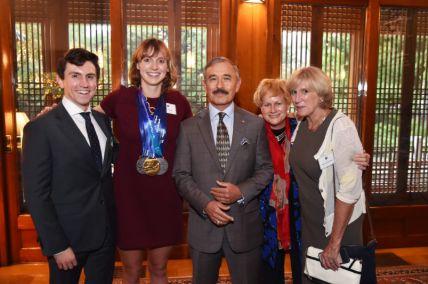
171	109
326	161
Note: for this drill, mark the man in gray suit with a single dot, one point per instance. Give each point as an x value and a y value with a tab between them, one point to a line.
221	165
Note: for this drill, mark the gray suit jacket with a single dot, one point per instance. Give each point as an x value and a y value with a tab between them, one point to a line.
70	200
197	168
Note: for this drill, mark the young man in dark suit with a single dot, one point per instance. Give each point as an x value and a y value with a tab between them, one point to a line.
222	163
67	177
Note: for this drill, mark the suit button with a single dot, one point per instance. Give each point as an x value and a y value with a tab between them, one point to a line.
102	201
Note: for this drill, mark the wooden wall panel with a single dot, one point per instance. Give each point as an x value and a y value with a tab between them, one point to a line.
117	43
401	3
9	159
30	251
273	39
251	51
228	27
370	72
401	226
3	227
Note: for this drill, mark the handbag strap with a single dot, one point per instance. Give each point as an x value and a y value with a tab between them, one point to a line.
369	217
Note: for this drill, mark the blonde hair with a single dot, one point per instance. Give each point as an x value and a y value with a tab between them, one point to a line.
277	87
148	48
316	80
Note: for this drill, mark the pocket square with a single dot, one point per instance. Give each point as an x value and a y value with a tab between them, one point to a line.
244	141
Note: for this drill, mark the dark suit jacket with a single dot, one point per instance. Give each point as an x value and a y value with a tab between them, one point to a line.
197	168
70	200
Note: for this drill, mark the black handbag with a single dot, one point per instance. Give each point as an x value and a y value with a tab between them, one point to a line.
366	254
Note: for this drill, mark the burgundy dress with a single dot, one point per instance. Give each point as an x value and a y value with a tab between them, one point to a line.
149	209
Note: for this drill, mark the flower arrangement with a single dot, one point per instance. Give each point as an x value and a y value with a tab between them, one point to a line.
51	90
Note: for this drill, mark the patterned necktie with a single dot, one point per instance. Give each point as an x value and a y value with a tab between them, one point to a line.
93	139
222	143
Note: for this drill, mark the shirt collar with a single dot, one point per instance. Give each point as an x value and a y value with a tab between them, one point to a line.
72	108
214	111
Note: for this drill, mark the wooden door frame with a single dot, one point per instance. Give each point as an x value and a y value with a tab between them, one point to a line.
10	159
4	257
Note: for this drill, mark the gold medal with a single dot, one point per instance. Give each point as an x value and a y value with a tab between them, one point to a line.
151	166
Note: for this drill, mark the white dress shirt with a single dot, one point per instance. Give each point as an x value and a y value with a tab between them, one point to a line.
74	111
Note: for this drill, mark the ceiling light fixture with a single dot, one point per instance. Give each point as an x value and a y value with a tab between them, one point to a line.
254	1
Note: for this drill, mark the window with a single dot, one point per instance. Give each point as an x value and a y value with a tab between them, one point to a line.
46	29
191	30
400	147
330	37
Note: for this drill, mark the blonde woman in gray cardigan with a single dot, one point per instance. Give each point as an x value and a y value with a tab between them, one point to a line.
324	145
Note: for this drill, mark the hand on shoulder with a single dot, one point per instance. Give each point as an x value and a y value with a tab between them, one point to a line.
47	109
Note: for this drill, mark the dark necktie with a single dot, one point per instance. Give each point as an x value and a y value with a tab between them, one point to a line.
222	143
93	139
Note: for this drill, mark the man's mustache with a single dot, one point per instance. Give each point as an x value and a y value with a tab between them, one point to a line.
220	90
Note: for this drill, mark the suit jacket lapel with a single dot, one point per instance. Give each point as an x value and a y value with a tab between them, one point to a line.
109	141
70	130
205	129
239	125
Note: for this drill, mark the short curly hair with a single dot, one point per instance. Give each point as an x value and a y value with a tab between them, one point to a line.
78	57
277	87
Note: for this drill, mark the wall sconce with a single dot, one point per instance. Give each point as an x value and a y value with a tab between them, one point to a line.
254	1
21	121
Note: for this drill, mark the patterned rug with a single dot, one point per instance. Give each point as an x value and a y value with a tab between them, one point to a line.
403	274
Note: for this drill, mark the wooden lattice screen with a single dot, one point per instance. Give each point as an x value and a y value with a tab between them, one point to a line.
400	143
189	27
342	48
31	55
191	30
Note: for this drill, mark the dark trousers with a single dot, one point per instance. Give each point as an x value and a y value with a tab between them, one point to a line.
275	275
98	266
244	268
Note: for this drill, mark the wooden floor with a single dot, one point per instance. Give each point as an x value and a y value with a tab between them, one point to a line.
37	273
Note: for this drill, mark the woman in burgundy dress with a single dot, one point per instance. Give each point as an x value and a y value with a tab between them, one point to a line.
147	117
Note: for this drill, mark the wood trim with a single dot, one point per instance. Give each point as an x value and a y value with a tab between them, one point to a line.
174	40
29	253
118	52
58	27
330	2
401	3
316	36
228	28
273	42
250	51
370	78
30	250
11	159
406	101
4	257
400	226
